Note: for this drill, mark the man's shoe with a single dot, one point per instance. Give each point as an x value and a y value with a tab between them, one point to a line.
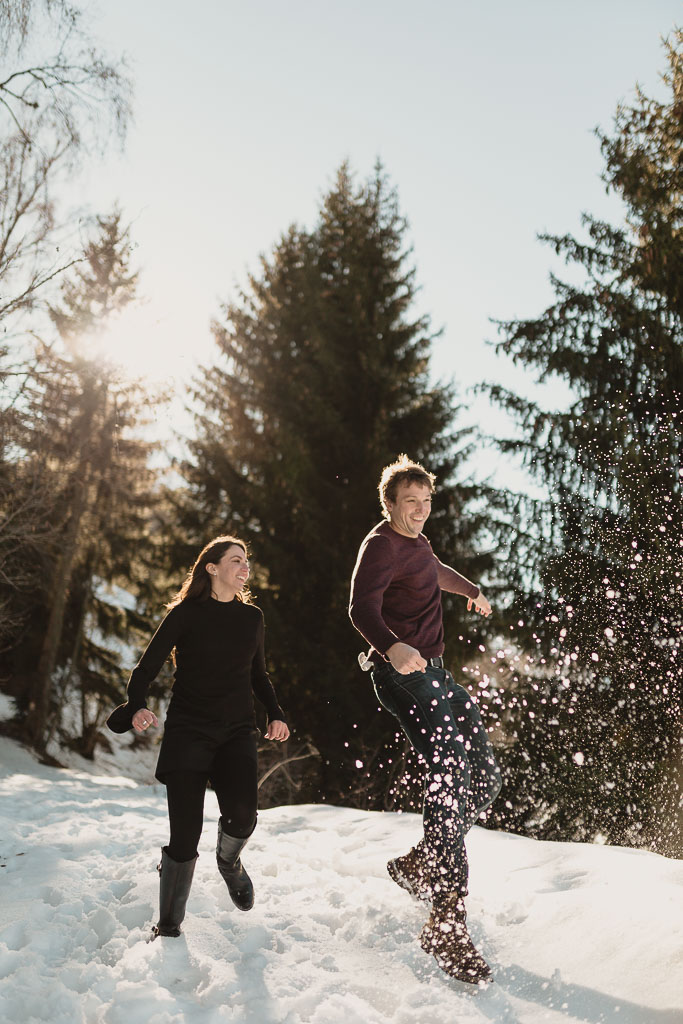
445	936
412	873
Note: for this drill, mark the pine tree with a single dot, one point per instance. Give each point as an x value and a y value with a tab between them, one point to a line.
86	422
597	727
323	379
61	98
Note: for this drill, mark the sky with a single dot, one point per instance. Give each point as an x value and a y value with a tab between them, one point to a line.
573	932
483	115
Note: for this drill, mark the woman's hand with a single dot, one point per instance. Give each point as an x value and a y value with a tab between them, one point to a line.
143	718
277	731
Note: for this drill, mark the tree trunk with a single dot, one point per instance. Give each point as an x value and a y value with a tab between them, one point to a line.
37	718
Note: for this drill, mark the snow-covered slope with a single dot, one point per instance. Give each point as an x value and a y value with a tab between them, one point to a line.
574	933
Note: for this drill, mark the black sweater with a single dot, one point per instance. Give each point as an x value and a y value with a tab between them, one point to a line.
220	665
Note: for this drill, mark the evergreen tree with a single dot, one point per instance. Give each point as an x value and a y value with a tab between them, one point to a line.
84	424
323	379
25	521
60	98
595	724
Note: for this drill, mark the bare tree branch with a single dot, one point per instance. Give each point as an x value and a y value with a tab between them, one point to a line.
310	752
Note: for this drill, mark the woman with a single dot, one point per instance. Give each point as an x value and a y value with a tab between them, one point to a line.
217	636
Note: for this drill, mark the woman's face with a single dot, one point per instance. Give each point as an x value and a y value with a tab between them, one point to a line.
231	571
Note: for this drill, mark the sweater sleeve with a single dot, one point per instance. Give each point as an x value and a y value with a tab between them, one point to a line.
146	670
371	577
453	582
260	681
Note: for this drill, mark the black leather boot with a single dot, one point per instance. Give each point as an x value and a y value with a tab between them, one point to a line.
175	882
230	866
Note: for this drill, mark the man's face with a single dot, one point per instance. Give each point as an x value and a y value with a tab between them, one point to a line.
410	511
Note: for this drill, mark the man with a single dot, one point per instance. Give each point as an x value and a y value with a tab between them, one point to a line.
396	606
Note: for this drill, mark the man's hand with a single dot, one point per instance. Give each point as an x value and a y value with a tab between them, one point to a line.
480	603
405	659
277	730
143	718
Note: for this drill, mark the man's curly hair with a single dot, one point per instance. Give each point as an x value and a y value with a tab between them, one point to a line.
403	471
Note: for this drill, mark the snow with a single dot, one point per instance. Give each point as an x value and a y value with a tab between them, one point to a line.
573	932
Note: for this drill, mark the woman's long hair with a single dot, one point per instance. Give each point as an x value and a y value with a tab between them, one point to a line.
197	586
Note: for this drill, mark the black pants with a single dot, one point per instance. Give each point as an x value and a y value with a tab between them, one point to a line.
233	777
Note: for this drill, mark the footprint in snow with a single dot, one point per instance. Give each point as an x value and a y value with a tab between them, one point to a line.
48	894
512	913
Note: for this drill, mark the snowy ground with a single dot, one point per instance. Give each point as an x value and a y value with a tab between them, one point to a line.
573	932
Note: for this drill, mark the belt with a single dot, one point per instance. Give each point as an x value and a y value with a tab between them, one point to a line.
366	664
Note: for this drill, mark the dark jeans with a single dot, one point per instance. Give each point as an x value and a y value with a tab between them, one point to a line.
234	778
462	779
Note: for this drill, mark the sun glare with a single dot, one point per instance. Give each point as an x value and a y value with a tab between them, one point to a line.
145	345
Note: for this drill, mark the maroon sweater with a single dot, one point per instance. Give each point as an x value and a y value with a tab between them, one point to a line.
396	592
